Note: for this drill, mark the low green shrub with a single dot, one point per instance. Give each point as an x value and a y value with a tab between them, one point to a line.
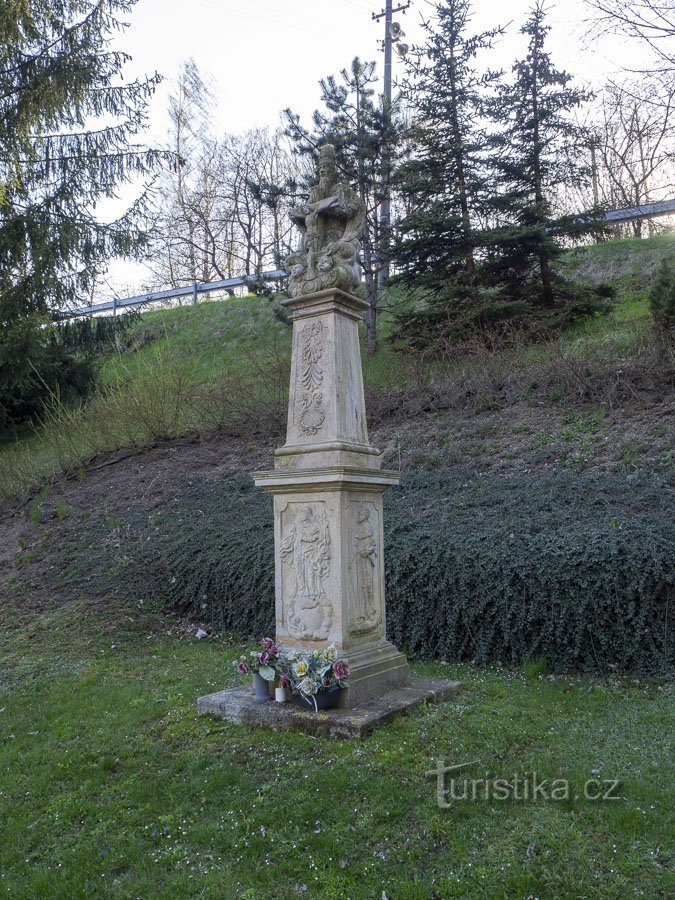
212	558
574	570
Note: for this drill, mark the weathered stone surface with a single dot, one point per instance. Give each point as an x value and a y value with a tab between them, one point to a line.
237	705
327	480
327	485
326	408
330	223
377	667
329	565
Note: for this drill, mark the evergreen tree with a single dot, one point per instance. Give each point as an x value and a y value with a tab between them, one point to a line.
68	125
360	131
662	298
539	149
443	184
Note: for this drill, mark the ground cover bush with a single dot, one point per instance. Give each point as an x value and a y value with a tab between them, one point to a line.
575	568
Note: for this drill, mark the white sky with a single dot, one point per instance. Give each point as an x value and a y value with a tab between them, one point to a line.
264	55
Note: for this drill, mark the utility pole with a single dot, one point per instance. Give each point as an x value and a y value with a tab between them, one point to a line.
385	206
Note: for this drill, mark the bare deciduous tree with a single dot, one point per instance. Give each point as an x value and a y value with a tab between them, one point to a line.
222	210
633	144
651	22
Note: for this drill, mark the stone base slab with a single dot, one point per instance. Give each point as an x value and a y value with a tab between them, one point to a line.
237	705
375	669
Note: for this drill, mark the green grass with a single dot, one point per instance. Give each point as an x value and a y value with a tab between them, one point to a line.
194	368
114	786
211	337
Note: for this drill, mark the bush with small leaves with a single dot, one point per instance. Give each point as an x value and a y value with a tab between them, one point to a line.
573	570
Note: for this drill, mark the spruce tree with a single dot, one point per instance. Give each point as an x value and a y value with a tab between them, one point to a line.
538	148
662	298
443	183
68	132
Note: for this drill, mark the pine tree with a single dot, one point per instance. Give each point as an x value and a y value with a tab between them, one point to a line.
68	129
538	149
443	184
358	128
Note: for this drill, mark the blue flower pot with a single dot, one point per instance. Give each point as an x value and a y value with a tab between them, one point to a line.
262	689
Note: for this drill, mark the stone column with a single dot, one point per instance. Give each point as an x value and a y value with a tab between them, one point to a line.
327	485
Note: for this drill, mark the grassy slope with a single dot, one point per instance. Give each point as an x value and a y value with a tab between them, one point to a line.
119	789
193	368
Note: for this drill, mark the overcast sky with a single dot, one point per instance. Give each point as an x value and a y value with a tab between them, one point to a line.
264	55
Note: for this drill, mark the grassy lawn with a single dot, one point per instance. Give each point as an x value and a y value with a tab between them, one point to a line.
113	786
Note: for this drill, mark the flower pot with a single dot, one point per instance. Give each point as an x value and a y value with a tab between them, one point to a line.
280	694
322	700
262	688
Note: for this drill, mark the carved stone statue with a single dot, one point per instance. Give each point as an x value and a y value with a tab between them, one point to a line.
363	564
306	547
331	222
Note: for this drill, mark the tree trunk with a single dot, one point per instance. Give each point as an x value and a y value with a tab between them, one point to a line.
544	264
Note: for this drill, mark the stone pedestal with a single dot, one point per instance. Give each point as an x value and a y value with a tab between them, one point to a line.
327	485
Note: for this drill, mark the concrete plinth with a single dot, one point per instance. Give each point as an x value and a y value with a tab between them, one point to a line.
237	705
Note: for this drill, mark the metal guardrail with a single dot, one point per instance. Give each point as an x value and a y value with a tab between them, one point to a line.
614	216
645	211
191	290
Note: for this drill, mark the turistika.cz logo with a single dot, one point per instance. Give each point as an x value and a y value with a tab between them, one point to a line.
525	787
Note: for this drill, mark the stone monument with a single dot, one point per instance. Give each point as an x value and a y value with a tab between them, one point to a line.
327	481
327	484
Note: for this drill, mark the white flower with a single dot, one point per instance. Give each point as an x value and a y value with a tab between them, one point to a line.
307	686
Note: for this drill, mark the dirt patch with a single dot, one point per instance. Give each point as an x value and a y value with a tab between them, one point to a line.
525	438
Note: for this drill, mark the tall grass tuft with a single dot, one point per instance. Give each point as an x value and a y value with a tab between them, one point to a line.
160	402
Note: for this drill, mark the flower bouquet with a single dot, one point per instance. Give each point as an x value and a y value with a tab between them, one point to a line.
315	676
264	665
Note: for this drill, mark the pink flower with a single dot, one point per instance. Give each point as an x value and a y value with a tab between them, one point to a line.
285	680
243	668
340	669
264	657
268	644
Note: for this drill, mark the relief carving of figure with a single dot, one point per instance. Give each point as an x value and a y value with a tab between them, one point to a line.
331	223
363	568
306	550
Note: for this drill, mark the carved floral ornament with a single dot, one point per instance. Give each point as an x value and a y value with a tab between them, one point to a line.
310	414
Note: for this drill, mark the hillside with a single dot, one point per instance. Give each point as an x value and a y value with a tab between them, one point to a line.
529	555
200	392
600	396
